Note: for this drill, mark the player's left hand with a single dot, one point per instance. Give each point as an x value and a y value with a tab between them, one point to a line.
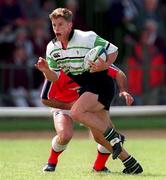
128	98
98	66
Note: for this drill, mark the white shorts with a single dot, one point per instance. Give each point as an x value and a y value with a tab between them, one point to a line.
57	111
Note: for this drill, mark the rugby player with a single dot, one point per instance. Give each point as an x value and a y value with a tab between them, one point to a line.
96	91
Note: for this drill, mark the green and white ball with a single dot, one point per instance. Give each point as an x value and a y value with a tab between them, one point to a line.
93	54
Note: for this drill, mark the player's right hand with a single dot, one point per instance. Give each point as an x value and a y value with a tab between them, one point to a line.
42	64
99	65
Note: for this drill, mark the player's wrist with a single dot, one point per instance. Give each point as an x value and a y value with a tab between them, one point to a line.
123	92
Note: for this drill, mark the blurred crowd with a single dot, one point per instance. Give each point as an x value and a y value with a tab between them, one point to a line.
137	27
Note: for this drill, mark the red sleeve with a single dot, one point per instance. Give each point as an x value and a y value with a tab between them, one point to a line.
112	71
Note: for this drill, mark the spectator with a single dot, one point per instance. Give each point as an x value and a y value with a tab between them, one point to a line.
78	20
39	39
31	9
11	17
47	7
11	14
22	40
20	77
119	23
32	12
146	69
150	11
19	80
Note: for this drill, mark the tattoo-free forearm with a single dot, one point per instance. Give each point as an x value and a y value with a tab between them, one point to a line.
111	58
121	80
50	75
57	104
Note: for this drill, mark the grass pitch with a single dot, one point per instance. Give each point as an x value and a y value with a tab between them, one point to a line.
24	159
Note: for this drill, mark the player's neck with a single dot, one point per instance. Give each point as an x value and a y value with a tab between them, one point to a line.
64	43
65	40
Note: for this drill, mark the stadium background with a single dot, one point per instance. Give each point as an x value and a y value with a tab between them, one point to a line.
137	27
129	24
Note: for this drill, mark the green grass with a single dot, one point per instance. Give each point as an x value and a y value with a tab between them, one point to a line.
25	124
24	159
140	123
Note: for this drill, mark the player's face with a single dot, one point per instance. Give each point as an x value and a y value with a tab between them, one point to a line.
61	28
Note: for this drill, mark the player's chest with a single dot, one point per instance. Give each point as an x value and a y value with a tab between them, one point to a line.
69	54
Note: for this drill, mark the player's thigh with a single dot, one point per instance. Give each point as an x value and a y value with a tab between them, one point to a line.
63	124
88	102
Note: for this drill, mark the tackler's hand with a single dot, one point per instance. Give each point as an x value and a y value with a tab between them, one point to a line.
128	98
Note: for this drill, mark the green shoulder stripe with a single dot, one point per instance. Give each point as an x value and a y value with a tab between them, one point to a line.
51	62
100	41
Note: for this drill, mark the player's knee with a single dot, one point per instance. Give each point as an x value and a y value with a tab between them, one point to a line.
76	115
65	136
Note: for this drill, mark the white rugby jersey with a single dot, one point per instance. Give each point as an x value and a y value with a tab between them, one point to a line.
71	59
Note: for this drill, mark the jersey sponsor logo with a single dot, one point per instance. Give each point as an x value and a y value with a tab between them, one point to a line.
56	55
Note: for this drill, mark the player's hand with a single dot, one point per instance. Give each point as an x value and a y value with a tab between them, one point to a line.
98	66
42	64
128	98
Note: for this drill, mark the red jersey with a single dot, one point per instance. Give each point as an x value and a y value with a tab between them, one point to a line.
65	89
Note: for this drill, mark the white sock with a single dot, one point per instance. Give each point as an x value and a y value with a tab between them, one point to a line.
57	147
102	149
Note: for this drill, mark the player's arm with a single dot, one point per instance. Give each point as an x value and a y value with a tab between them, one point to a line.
48	96
121	81
49	74
102	65
112	53
56	104
111	58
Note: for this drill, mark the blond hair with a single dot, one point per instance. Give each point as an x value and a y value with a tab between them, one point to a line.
61	12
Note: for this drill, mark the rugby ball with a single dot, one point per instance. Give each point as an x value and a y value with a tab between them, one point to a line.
93	54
